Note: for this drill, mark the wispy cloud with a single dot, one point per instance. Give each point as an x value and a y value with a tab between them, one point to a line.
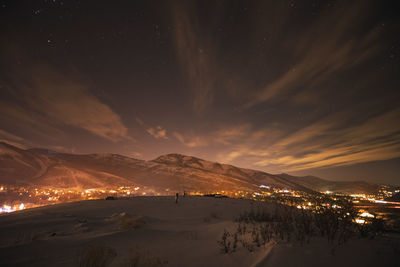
49	98
196	52
27	119
328	143
157	132
139	121
229	134
11	136
12	139
319	57
13	143
190	140
240	136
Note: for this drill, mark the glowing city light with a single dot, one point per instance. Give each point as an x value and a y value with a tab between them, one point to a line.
360	221
367	215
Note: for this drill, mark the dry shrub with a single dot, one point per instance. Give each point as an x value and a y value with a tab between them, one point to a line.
191	235
128	222
212	215
138	257
207	219
96	256
28	237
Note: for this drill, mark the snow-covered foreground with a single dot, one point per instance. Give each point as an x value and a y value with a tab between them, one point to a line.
157	230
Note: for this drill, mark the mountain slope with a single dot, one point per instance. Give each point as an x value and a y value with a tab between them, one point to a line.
169	172
322	185
173	172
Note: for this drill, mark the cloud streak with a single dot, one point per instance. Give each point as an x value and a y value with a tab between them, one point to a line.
48	99
327	143
11	136
157	132
196	53
320	56
190	140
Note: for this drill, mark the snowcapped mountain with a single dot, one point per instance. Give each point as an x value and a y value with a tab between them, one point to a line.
43	167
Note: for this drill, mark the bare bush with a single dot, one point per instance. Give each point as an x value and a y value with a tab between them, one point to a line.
225	243
337	225
128	222
96	256
138	257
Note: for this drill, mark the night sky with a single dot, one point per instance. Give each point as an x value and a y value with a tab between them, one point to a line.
302	87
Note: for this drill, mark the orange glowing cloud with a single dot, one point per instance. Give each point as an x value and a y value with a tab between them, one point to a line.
325	143
51	98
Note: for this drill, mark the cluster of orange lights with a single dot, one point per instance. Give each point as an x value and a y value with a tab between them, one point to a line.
34	197
19	198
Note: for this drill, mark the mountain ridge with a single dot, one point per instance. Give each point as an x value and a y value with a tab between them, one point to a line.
172	171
